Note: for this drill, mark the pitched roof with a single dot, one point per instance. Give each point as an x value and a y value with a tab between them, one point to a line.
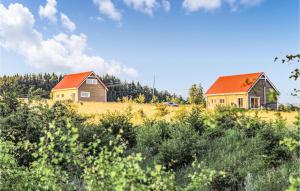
234	83
72	80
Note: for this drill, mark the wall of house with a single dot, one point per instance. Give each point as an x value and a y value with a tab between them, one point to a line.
258	91
97	92
65	94
229	100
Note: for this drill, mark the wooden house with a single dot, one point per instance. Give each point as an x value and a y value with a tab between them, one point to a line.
249	91
85	86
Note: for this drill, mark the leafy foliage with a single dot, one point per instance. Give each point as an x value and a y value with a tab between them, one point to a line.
196	95
178	150
54	148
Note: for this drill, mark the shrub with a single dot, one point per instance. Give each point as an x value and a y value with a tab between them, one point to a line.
235	153
179	149
39	176
280	122
90	133
112	171
297	121
226	117
24	125
149	138
181	113
118	124
251	125
202	178
227	181
275	178
161	110
196	119
275	152
140	99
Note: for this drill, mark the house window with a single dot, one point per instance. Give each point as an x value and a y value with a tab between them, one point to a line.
213	101
62	95
222	100
91	81
254	102
57	95
240	103
85	94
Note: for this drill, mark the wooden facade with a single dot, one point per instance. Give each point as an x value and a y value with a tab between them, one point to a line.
97	91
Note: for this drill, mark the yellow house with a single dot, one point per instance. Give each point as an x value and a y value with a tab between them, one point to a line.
249	91
85	86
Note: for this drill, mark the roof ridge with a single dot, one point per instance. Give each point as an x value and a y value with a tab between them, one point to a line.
242	74
78	73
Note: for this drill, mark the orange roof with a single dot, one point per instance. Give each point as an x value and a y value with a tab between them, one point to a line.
72	80
233	84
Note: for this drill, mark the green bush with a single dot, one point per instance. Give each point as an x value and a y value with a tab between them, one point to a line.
118	124
112	171
196	119
53	148
275	178
149	137
276	153
235	153
226	117
178	150
227	182
251	125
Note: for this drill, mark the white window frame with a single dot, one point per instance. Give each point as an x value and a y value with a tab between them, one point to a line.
222	100
258	102
237	103
88	94
91	81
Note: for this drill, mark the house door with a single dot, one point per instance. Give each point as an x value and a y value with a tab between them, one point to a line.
240	103
255	102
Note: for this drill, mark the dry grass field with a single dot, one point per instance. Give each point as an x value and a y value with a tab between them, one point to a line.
95	109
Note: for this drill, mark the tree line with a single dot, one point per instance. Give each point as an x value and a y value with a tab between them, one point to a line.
118	89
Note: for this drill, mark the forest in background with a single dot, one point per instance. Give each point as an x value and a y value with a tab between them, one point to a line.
42	83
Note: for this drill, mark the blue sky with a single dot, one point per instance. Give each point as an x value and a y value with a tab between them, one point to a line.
181	42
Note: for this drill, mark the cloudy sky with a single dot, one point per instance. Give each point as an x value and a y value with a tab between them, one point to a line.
180	41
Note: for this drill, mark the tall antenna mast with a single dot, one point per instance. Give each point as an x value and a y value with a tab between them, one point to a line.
153	87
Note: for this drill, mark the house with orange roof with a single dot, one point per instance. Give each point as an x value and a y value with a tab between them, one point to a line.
249	91
85	86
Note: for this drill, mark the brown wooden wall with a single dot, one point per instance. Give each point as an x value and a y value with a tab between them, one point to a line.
258	90
97	92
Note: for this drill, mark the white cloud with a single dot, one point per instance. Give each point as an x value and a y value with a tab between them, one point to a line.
107	7
67	23
49	11
195	5
209	5
145	6
166	5
62	52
